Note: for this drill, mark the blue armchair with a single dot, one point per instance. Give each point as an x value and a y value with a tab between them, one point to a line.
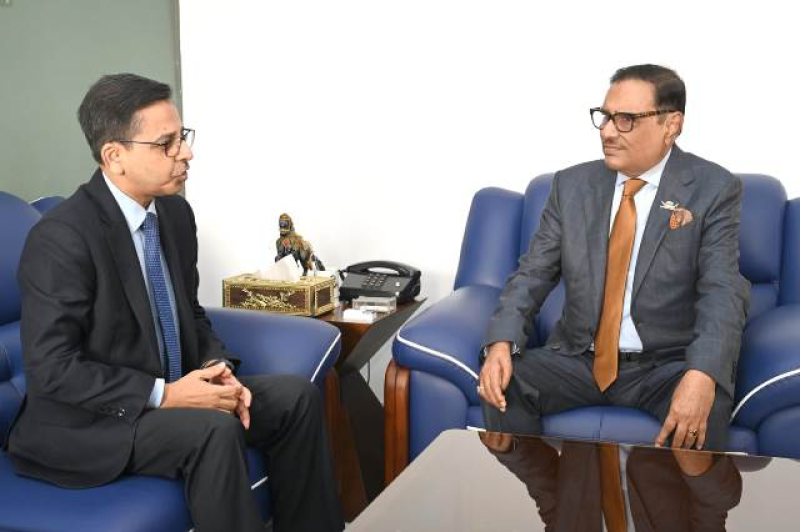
431	381
265	343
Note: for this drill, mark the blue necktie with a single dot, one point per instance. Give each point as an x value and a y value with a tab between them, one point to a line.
158	285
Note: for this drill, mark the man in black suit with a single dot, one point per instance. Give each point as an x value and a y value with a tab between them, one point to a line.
124	373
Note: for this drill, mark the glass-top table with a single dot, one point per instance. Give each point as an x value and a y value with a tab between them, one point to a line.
467	480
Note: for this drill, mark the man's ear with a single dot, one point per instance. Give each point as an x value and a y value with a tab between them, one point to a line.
112	157
674	127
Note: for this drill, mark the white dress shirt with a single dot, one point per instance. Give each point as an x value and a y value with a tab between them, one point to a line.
628	336
134	215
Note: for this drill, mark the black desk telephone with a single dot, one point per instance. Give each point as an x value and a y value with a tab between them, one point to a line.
380	278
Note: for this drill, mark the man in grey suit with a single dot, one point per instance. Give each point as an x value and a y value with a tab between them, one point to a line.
646	242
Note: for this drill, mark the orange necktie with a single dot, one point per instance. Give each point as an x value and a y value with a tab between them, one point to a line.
611	488
620	247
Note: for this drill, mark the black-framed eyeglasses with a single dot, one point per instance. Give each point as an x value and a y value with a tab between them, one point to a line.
622	121
171	147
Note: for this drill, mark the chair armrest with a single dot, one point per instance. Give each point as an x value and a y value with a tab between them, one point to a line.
769	366
275	344
445	340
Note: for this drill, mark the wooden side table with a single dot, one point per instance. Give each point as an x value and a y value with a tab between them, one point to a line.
354	414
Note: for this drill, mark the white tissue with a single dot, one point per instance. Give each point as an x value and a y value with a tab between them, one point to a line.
286	269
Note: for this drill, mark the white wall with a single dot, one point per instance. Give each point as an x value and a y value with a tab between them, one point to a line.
372	123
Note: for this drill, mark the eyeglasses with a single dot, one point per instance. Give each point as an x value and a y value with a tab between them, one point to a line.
622	121
171	147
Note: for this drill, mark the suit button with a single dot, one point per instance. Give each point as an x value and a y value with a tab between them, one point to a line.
121	412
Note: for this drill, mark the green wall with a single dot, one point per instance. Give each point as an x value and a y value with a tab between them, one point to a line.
51	51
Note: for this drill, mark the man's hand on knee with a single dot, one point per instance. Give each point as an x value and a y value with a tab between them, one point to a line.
496	374
195	390
688	413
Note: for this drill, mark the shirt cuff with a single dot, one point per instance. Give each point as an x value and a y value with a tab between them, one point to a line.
156	395
515	351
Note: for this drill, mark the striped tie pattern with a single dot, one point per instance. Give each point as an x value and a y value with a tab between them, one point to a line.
158	286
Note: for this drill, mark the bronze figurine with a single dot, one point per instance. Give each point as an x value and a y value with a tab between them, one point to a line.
291	243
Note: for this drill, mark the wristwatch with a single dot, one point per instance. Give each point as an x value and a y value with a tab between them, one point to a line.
515	351
214	361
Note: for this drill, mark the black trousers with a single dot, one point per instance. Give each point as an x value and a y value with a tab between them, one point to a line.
546	382
207	449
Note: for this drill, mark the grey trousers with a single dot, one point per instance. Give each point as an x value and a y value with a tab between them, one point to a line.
547	382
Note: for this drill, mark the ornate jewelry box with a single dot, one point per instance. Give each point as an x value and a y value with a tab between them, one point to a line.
310	296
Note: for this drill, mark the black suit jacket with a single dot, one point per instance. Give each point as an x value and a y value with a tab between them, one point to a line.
89	344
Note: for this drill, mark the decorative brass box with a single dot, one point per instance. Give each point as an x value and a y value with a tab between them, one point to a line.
310	296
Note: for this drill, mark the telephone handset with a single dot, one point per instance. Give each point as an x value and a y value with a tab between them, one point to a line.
380	278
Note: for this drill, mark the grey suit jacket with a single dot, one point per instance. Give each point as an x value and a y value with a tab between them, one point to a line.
687	289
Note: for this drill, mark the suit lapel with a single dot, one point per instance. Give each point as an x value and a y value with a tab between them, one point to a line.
675	187
118	238
598	194
169	245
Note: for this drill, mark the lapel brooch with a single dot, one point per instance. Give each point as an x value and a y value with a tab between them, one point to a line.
679	216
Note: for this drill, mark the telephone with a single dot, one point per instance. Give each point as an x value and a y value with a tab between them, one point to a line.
380	278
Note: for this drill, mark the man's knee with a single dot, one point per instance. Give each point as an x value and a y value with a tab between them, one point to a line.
168	439
206	425
718	423
304	395
224	423
287	394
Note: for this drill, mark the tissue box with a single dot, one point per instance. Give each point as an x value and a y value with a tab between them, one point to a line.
310	296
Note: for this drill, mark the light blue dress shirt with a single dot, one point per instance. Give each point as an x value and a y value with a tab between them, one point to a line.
628	335
134	216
